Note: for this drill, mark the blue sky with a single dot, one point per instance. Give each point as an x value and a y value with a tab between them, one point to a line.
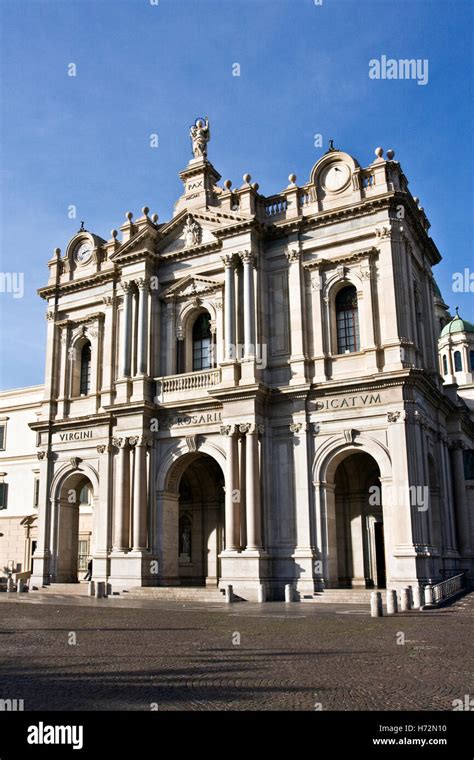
144	69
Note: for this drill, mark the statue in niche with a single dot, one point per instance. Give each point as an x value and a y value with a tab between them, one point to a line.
186	542
192	232
200	135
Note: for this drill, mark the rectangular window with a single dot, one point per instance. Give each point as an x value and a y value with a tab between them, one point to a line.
3	495
36	490
2	437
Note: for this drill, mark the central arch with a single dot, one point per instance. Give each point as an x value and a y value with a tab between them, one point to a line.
190	516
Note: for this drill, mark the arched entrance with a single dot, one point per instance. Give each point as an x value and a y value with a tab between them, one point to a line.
190	518
74	529
201	522
359	523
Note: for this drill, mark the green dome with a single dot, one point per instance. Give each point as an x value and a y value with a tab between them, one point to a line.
457	325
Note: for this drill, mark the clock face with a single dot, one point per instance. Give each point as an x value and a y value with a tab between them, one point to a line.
83	252
336	177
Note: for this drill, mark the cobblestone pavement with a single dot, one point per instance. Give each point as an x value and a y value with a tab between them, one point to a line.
132	654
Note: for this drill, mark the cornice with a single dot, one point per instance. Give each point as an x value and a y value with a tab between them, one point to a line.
84	283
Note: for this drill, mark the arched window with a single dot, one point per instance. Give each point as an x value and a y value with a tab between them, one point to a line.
202	341
445	365
471	360
85	384
457	361
347	321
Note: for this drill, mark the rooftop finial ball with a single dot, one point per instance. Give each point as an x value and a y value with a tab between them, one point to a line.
228	184
114	233
154	218
145	210
417	200
57	251
246	178
390	154
129	216
379	152
292	178
255	186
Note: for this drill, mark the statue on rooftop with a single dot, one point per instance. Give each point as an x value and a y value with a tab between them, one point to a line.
200	135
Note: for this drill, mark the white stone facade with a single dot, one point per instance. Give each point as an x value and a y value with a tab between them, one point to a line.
317	445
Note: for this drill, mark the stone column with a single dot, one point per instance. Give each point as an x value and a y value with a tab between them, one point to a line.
368	337
170	339
249	305
42	556
102	516
318	327
122	496
297	358
229	309
302	496
142	353
460	504
108	358
232	512
126	343
252	489
140	496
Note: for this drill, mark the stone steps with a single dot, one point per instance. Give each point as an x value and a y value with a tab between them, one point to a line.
342	596
73	589
175	593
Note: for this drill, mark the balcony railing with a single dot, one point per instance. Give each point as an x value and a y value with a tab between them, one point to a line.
189	383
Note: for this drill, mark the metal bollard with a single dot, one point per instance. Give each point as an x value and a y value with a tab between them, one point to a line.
429	595
99	589
405	601
392	602
288	592
19	585
417	603
376	604
261	593
229	594
91	589
10	584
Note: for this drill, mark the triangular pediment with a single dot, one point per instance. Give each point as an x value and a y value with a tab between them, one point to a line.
187	232
191	286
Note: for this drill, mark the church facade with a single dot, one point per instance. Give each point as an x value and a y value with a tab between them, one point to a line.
251	393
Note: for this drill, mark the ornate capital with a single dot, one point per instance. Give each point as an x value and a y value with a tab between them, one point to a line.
104	448
316	281
297	427
42	455
225	429
74	461
244	427
393	416
293	255
133	440
108	301
127	285
228	259
246	257
143	283
50	316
